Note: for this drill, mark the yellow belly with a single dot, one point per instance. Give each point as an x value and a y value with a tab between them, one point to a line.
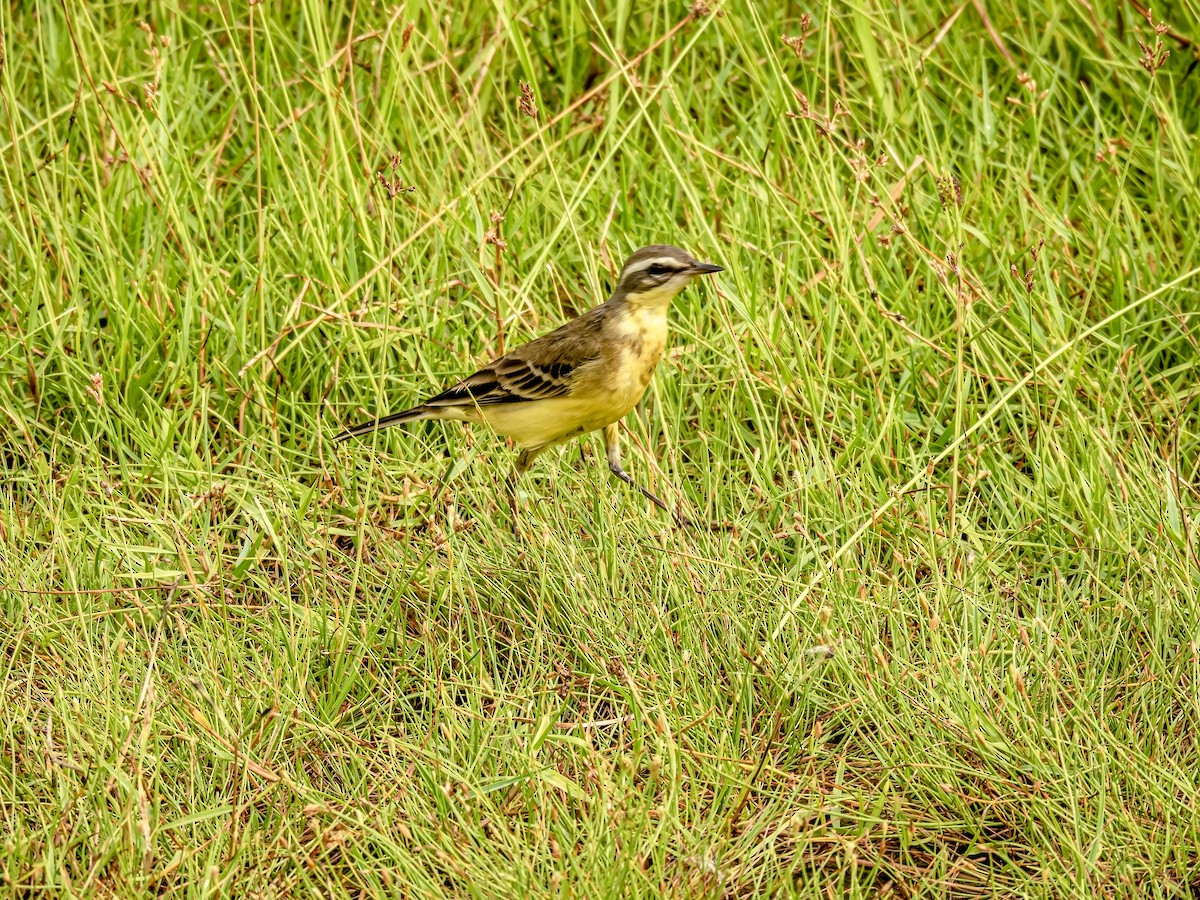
539	423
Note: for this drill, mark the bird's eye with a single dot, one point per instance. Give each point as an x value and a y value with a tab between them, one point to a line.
657	270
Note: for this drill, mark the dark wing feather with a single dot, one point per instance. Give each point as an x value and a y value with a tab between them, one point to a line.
539	370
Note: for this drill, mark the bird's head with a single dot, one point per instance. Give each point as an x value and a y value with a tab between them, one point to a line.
653	275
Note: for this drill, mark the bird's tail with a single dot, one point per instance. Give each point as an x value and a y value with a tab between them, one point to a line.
416	414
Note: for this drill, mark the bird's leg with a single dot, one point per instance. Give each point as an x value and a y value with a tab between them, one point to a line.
524	460
612	450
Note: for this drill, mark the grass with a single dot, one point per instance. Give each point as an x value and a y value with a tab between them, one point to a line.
946	643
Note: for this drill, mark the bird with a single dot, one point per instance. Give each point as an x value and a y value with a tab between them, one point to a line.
584	376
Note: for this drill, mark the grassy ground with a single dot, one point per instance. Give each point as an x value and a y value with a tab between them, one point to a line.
946	643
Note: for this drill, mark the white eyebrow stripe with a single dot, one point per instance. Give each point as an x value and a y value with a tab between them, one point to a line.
669	262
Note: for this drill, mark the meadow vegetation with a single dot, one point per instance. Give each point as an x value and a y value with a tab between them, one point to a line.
939	634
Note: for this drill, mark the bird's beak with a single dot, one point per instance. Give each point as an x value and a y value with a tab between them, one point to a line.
699	268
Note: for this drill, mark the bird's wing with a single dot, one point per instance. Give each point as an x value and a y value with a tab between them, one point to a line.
539	370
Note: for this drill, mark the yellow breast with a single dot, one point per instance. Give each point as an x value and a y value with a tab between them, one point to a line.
640	338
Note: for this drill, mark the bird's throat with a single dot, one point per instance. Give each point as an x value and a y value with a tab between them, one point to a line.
657	300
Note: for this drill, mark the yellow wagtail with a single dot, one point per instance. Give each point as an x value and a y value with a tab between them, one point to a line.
581	377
